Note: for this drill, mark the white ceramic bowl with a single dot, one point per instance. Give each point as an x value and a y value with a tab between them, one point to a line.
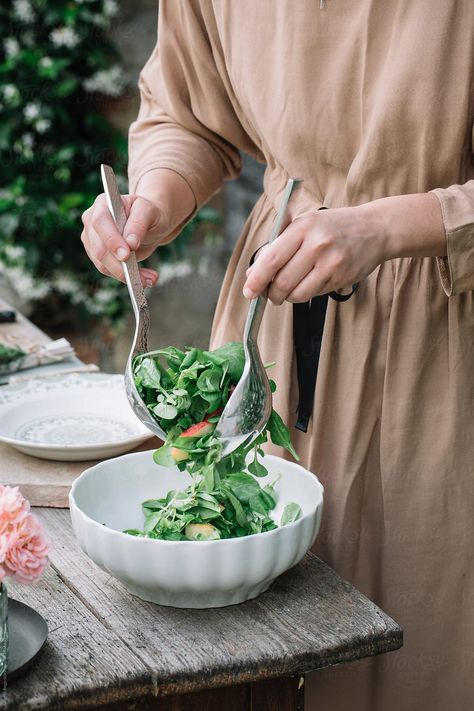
196	574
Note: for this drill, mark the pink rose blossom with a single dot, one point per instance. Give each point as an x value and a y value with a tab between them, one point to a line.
13	507
27	554
23	547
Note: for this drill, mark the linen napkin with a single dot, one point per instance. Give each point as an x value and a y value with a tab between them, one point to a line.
13	358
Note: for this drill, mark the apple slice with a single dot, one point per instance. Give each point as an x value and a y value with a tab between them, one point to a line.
200	429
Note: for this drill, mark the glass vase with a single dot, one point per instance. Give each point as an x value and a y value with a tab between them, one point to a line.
3	632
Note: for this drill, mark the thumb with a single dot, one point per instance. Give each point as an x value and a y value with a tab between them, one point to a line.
142	218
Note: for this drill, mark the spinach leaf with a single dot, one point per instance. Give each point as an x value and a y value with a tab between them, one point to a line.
133	532
257	469
210	379
149	374
239	511
260	503
280	434
291	512
243	486
189	359
232	354
165	411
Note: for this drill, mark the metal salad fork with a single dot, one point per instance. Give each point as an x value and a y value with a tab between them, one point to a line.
249	407
139	303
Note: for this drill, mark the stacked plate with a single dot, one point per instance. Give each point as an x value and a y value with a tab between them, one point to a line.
75	417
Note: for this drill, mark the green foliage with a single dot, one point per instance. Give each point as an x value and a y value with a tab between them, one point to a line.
58	69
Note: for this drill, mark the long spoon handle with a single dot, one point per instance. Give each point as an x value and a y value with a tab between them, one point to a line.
130	267
257	305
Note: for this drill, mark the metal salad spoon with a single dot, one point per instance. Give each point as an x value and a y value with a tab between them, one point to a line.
249	407
139	303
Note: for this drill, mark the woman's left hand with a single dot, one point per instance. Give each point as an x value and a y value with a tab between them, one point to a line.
327	250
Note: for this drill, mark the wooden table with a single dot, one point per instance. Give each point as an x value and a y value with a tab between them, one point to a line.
109	650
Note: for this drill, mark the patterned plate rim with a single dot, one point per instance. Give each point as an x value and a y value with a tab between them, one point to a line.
9	394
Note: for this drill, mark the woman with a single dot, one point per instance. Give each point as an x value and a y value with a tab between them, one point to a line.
371	104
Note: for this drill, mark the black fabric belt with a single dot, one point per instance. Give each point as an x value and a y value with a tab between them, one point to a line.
308	329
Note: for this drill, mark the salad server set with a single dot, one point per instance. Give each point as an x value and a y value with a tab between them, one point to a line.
248	408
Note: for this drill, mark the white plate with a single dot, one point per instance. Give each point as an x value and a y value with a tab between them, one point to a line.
75	417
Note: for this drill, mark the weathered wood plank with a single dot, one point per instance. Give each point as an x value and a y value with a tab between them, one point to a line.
46	482
43	482
309	619
82	661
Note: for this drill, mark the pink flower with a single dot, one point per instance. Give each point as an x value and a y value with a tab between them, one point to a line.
26	556
13	507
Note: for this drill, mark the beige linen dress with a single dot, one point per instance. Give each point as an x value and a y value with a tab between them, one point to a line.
362	99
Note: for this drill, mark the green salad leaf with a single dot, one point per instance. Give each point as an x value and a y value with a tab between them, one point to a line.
291	512
186	392
10	354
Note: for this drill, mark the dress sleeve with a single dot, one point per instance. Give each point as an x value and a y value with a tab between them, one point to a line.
457	268
186	120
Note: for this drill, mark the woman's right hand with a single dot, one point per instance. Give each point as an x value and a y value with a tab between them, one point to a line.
165	201
107	248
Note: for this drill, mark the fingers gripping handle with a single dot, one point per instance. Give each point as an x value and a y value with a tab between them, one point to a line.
130	267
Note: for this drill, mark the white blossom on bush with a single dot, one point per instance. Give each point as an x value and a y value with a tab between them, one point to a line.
94	308
28	140
10	93
104	296
11	46
110	8
176	270
64	37
14	252
66	284
23	11
23	284
31	111
24	145
46	62
42	125
110	82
